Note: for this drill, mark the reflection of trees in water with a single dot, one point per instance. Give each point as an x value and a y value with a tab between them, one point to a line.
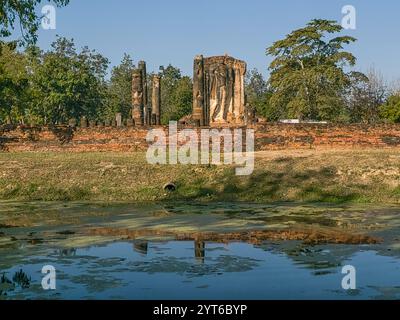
316	257
67	252
19	280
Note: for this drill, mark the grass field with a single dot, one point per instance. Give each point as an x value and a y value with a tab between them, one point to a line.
336	176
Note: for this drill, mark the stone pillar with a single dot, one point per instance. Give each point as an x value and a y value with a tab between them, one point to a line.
146	108
118	119
137	97
239	94
206	103
242	88
156	100
198	90
84	122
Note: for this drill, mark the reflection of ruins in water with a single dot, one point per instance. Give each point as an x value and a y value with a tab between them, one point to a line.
199	250
141	246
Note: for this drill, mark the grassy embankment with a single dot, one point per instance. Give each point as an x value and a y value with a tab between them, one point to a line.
362	176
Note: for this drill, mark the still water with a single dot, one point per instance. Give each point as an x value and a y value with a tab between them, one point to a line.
200	270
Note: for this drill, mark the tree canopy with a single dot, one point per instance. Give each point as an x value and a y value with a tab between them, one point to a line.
176	94
390	110
51	87
119	89
308	76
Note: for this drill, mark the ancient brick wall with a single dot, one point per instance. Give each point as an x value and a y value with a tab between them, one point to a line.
268	136
278	136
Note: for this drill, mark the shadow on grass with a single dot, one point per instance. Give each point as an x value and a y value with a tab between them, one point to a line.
284	184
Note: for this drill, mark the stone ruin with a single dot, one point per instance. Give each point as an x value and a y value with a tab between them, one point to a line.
218	96
142	112
218	91
156	100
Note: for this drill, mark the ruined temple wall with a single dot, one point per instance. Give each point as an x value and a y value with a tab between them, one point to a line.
267	137
218	90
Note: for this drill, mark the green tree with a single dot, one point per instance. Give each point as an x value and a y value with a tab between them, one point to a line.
119	90
14	83
258	94
367	93
391	109
69	84
176	94
23	14
182	99
307	74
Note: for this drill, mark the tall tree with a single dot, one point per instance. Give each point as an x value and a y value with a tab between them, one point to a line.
176	94
367	93
14	83
120	87
22	13
258	94
390	110
307	74
70	84
182	99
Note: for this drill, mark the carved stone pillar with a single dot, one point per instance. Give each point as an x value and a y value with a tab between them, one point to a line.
137	97
146	109
239	95
156	100
198	91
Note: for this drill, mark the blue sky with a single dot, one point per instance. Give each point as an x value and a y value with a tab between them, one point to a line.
162	32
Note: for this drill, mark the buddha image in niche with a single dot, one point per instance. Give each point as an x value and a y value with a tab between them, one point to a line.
218	93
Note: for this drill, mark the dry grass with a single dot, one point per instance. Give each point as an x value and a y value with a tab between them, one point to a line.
359	175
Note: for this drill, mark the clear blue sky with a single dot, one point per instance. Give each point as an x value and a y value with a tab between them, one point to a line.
162	32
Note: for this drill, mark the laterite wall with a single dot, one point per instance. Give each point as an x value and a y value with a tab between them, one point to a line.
268	136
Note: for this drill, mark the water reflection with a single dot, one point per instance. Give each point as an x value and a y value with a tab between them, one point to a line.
67	252
20	279
199	250
201	270
141	246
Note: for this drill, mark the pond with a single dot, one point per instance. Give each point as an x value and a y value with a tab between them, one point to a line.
158	265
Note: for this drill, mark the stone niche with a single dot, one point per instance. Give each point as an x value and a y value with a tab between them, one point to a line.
218	91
